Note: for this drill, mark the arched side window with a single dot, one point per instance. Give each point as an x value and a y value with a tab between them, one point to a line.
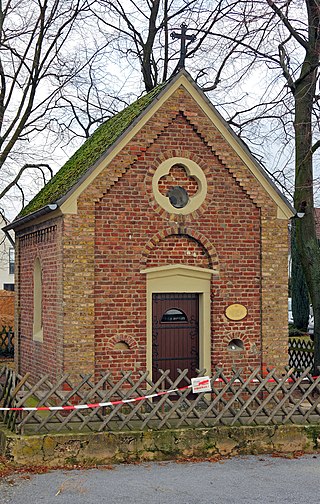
37	301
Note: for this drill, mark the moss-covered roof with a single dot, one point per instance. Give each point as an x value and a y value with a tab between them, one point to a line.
92	149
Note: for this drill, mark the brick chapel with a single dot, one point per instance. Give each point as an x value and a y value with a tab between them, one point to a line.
160	244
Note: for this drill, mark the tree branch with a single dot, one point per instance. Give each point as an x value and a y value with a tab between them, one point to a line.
16	179
288	25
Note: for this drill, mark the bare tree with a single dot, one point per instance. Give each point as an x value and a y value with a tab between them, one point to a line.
45	45
142	32
87	101
285	35
302	82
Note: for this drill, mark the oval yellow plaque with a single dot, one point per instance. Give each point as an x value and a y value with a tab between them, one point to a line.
236	312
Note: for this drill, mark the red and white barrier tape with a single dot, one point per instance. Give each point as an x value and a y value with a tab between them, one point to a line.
95	405
126	401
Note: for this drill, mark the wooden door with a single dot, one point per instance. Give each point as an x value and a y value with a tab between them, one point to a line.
175	333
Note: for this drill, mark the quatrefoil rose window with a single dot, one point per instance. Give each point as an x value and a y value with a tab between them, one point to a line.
179	185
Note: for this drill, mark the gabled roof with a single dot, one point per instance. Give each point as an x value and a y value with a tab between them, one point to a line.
89	158
92	149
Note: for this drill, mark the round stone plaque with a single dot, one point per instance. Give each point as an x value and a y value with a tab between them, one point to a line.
236	311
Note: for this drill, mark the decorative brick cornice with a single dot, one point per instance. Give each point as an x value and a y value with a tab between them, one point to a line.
219	147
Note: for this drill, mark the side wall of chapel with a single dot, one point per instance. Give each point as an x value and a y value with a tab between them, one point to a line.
43	243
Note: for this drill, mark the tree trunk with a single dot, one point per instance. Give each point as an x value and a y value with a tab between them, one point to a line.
149	81
299	289
307	242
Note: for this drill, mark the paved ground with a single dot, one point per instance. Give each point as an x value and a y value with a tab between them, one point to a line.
240	480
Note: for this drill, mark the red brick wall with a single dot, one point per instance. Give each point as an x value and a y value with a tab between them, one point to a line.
126	222
47	356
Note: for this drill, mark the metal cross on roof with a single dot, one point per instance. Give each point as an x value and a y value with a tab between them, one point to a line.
183	37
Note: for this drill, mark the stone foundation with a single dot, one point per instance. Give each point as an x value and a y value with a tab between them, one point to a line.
116	447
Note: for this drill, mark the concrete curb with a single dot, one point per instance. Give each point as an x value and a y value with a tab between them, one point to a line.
115	447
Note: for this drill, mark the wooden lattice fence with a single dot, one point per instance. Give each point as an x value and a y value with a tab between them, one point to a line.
235	400
301	353
6	342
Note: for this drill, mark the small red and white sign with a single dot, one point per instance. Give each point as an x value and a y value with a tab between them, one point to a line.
201	384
